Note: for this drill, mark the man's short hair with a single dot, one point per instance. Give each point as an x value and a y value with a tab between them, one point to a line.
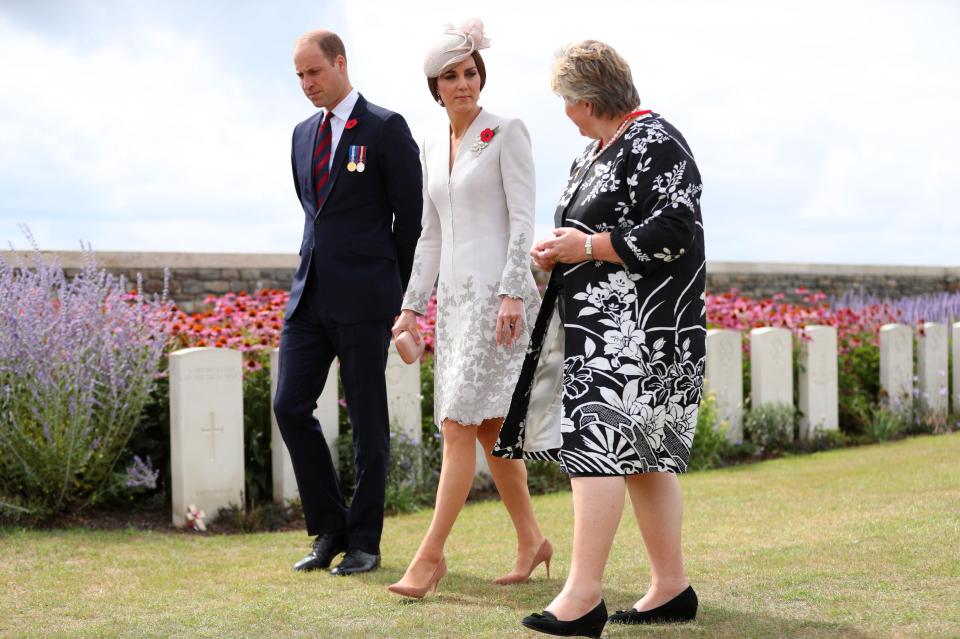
328	41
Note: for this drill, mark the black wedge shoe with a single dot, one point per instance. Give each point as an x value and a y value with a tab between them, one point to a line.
681	608
589	625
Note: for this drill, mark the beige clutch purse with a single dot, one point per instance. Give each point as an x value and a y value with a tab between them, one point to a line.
408	348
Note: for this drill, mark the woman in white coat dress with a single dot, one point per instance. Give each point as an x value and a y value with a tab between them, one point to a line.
478	212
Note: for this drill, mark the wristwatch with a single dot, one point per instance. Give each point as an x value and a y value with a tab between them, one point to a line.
588	247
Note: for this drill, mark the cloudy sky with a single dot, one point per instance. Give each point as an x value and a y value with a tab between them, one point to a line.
825	131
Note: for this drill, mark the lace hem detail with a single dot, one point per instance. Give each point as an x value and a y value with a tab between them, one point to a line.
469	421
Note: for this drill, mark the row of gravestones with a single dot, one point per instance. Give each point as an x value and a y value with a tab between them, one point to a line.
771	368
206	400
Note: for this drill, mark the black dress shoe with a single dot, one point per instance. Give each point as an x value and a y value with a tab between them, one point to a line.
681	608
325	548
589	625
355	562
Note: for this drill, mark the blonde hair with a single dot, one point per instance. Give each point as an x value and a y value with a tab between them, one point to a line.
591	71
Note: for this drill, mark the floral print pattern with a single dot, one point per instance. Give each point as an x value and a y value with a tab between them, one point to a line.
634	333
478	222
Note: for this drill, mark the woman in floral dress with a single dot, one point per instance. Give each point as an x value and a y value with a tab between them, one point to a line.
625	308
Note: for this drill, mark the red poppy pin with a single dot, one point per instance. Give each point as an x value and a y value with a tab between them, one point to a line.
352	122
483	140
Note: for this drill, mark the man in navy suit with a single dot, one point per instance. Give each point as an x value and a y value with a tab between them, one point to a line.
357	173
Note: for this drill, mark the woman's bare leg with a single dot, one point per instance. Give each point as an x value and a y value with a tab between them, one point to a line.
456	477
510	477
658	507
597	507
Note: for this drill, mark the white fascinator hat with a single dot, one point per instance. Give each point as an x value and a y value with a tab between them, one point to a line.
456	45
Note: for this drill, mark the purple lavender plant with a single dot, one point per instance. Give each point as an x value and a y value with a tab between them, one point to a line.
78	358
141	474
943	308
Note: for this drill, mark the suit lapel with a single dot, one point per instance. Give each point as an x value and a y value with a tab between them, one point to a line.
346	139
304	144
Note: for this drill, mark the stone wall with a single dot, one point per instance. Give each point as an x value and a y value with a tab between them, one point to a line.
760	279
193	276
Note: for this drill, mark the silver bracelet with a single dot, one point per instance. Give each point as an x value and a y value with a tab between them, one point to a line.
588	247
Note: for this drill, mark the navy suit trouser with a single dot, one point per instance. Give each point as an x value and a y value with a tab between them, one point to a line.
310	341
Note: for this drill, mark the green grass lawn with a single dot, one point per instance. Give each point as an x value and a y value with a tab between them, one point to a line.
861	542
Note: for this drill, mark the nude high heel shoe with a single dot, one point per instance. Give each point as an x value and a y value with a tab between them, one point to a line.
419	593
544	555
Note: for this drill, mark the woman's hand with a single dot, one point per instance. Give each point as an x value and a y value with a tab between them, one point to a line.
567	247
509	321
406	322
545	264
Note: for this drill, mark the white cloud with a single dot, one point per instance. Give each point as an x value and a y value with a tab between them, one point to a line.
824	131
153	130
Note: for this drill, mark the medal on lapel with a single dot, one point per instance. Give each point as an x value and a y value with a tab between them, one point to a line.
352	153
361	159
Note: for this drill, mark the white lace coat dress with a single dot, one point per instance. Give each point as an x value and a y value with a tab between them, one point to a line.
478	222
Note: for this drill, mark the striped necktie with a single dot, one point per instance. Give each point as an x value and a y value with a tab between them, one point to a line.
321	158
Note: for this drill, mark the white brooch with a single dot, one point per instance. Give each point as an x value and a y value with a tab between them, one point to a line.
483	140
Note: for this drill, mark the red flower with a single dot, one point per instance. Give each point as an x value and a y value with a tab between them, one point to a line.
486	135
352	122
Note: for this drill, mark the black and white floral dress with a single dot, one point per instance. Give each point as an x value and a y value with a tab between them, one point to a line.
612	379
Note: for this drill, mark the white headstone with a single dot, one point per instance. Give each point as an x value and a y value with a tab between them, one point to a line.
206	430
956	367
771	366
932	368
284	482
896	366
483	468
403	395
817	379
724	378
327	413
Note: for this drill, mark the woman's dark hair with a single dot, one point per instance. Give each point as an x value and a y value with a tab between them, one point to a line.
481	69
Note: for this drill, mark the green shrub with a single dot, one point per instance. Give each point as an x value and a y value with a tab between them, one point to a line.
411	480
885	424
151	437
711	449
771	427
545	477
858	385
257	411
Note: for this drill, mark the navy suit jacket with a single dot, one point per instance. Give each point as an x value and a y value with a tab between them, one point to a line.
360	242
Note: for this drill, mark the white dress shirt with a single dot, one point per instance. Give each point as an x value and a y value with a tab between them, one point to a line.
341	113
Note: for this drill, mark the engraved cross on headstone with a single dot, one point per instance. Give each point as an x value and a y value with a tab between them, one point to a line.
214	430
